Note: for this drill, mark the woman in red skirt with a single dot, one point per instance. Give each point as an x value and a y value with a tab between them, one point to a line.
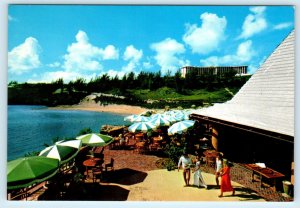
225	179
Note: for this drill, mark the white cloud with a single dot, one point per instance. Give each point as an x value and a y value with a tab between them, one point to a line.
132	55
112	73
245	52
24	57
110	52
208	36
254	23
167	52
282	26
258	9
54	65
130	67
243	55
49	77
82	55
147	65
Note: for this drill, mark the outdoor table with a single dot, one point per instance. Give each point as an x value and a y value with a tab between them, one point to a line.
157	139
140	146
267	173
90	163
139	136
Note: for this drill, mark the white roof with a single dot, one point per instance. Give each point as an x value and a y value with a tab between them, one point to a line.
266	101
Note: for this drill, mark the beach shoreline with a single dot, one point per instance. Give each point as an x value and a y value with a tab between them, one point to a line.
111	108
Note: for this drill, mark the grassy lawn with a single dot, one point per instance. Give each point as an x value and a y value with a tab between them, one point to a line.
165	93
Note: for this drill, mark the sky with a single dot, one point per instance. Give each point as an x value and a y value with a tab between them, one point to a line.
48	42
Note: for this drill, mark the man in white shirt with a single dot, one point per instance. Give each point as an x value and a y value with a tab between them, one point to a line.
185	162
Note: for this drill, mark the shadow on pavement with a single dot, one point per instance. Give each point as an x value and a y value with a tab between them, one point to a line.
124	176
245	194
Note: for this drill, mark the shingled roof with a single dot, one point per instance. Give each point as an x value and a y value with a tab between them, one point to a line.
266	101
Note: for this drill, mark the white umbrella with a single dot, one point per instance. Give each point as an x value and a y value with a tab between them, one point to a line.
181	117
141	126
160	121
179	127
130	118
64	151
157	115
171	119
141	119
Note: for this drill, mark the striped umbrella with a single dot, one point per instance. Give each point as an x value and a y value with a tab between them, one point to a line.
141	119
64	151
180	127
171	119
160	121
130	118
142	126
95	140
181	117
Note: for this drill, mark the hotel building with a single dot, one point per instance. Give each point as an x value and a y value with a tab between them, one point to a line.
213	70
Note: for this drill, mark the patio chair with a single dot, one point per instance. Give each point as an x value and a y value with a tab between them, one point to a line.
97	173
210	161
155	147
110	165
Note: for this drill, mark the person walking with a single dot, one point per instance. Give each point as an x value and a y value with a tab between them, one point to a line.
218	167
185	162
225	179
198	179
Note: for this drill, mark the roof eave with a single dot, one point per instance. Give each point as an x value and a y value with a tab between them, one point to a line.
250	129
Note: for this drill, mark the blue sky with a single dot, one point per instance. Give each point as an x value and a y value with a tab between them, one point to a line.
47	42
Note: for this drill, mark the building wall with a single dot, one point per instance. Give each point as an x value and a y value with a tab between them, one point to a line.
244	147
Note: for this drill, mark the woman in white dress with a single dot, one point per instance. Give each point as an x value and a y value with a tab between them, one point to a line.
218	168
198	179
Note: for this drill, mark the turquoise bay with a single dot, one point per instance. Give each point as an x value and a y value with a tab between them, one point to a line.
30	127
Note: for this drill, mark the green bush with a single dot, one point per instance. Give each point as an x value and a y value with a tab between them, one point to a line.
174	152
33	153
85	131
170	165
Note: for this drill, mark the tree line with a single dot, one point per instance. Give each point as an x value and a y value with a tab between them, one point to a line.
58	92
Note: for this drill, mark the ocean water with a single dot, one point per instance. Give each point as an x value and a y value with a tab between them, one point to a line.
30	127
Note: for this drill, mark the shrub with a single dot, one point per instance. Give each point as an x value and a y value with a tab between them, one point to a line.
170	165
85	131
174	152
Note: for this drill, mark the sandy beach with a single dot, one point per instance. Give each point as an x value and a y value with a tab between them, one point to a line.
112	108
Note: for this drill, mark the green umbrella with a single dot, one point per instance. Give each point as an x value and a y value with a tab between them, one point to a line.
64	151
95	140
26	171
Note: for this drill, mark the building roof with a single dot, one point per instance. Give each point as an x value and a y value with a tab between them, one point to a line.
266	101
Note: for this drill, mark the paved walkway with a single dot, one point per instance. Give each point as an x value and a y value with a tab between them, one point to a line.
138	177
163	185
